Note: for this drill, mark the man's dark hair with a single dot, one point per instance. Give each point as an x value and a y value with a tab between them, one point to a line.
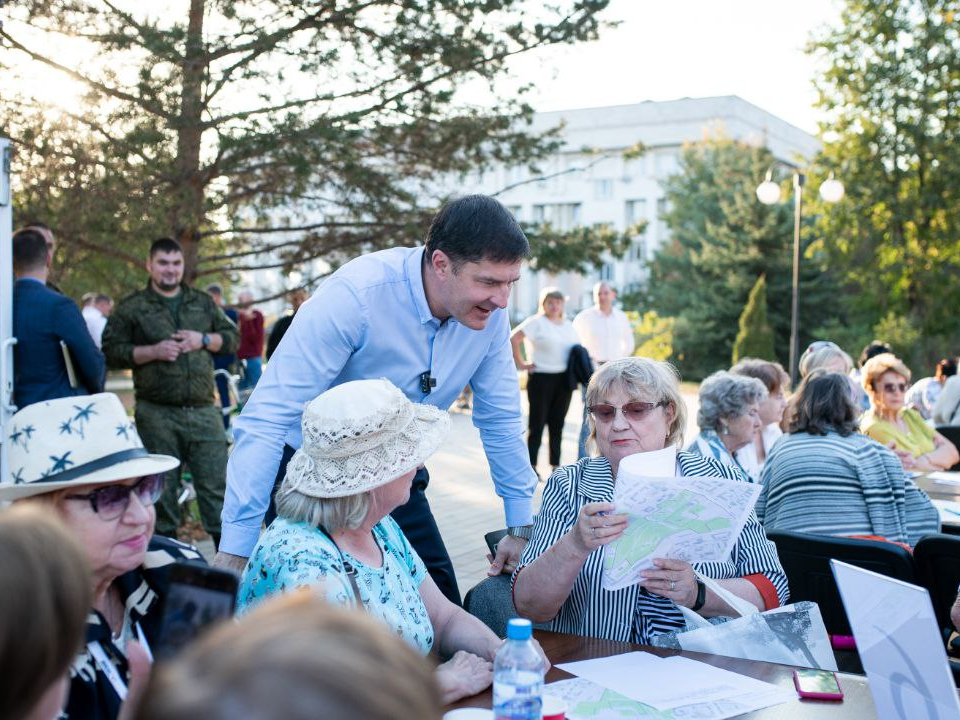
824	403
475	228
948	367
101	298
165	244
877	347
29	250
37	224
214	290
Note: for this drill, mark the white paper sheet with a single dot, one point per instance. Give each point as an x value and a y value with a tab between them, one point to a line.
656	463
588	701
665	683
949	511
696	519
945	478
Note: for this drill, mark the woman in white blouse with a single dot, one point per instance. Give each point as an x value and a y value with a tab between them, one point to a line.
753	455
549	337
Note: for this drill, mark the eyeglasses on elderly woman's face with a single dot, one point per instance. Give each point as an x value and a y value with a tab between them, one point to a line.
111	502
633	411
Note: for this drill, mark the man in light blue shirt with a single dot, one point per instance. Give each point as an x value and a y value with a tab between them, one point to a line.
430	320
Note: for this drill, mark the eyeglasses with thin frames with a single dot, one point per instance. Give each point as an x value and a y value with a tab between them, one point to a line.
633	411
111	502
894	387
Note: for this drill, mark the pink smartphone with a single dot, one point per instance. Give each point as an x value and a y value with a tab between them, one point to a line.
817	684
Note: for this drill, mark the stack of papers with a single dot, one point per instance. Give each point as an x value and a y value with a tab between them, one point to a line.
949	511
945	478
643	685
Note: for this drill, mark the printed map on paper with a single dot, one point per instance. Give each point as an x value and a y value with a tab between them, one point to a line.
696	519
589	701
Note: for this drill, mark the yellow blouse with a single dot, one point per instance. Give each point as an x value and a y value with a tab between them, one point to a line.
918	439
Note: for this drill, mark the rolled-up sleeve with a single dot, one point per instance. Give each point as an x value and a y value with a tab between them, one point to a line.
321	338
754	555
496	414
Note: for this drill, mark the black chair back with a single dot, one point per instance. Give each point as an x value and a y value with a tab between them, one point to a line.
951	433
938	567
806	560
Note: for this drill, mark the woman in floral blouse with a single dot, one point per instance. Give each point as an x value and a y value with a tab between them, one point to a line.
362	444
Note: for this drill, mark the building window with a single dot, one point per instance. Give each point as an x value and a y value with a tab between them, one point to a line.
606	272
515	210
661	219
561	216
634	212
602	189
637	251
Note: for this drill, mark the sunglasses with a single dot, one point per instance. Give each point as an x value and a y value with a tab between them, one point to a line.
894	387
111	502
631	411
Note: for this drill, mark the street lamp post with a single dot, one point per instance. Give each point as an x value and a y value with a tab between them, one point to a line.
768	192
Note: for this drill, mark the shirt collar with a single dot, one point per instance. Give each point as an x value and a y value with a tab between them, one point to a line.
413	269
31	279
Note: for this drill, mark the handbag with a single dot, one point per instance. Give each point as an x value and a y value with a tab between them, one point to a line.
790	635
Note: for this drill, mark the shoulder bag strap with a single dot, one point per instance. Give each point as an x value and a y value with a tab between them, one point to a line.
348	568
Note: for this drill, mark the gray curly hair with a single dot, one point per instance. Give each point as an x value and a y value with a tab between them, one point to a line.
725	395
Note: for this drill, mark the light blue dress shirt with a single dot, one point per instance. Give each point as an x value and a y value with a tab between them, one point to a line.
371	319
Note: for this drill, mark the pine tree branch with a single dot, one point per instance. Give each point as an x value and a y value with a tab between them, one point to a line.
105	89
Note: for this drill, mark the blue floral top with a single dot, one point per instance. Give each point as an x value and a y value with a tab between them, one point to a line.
292	555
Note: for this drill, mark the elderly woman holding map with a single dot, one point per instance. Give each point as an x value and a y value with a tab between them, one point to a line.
635	406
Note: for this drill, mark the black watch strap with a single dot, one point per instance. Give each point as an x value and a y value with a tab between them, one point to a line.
701	595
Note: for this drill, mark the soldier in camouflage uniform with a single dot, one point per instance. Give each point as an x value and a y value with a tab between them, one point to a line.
167	333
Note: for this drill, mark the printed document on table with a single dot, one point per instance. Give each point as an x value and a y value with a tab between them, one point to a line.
696	519
588	701
943	477
665	683
949	511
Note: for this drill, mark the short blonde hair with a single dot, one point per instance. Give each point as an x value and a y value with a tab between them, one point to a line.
643	380
547	293
332	514
295	657
878	365
819	353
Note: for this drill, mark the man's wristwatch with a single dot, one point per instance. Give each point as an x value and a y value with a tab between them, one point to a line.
524	532
205	340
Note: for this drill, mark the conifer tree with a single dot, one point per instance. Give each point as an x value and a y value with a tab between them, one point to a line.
755	338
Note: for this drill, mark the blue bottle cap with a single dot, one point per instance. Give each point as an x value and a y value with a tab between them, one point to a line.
519	629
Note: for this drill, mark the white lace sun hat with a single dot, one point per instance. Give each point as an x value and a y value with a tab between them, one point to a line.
361	435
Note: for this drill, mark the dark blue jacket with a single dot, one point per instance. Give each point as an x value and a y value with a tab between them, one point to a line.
41	319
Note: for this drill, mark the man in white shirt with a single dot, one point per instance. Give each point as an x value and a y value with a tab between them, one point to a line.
606	333
96	310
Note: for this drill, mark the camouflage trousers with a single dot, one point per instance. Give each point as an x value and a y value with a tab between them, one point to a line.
195	436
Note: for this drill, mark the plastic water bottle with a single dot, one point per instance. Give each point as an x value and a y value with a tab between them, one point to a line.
518	675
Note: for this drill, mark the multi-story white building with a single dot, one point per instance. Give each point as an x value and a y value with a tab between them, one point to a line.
589	182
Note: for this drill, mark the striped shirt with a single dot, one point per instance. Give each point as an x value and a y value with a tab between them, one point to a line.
709	445
834	485
633	614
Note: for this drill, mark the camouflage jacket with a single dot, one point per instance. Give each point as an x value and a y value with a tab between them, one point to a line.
143	318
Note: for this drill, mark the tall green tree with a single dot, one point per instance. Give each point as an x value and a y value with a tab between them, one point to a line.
891	99
265	133
721	240
755	337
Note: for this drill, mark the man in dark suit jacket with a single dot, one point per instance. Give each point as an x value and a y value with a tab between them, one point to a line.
42	318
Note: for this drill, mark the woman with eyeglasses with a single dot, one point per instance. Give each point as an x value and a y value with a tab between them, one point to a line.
729	417
919	447
81	460
825	478
634	406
